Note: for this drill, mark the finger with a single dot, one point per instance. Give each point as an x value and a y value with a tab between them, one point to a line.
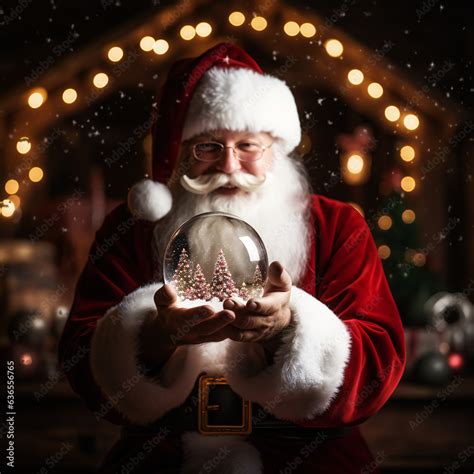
165	296
278	279
267	304
226	332
252	322
198	313
211	325
235	306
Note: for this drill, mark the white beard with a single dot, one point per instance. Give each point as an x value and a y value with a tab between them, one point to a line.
278	210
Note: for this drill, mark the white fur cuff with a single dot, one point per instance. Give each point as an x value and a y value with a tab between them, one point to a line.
308	368
114	362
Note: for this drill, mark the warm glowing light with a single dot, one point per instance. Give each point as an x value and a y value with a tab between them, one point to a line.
291	28
236	18
411	121
419	259
384	252
355	76
258	23
334	48
35	174
408	216
375	90
384	222
187	32
12	186
407	153
408	184
23	145
308	30
26	359
455	361
15	200
69	96
8	208
115	54
392	113
203	29
355	164
37	97
147	43
161	46
100	80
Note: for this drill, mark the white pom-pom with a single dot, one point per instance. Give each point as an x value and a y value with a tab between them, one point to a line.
149	200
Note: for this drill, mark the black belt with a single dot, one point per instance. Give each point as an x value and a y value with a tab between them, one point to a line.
213	408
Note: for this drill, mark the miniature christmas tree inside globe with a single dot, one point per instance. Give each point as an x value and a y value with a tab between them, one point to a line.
215	256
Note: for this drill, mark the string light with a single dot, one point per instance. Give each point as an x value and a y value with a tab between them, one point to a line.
37	98
35	174
384	222
355	164
161	46
291	28
408	184
407	153
411	121
258	23
236	18
187	32
408	216
115	54
308	30
203	29
12	186
15	200
334	48
375	90
392	113
100	80
419	259
384	252
23	145
355	76
69	96
147	43
8	208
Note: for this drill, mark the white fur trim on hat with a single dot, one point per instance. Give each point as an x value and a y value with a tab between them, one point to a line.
149	200
245	100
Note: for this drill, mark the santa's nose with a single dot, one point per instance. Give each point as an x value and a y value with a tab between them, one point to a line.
228	162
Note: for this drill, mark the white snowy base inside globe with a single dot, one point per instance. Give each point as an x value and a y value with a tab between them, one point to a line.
215	303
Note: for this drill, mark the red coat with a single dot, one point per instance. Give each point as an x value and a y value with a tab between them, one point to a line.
344	273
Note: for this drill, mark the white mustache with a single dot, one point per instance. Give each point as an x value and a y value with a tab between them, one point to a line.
207	183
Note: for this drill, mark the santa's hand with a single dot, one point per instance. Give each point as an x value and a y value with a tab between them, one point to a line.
263	319
196	325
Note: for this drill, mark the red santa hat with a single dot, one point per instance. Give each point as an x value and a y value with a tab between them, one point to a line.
223	88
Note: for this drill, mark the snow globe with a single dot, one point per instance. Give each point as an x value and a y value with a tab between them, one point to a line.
214	256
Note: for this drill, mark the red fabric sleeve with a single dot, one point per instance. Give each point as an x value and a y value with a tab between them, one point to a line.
350	280
116	266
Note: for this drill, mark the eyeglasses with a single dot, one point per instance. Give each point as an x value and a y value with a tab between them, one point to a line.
246	150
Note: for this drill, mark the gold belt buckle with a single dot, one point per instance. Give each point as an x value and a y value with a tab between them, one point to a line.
245	428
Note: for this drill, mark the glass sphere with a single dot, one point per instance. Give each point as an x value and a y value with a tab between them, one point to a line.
214	256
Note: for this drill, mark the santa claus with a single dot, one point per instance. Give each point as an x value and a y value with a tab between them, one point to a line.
278	383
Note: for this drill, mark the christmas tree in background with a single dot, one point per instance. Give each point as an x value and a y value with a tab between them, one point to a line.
222	284
182	278
396	234
201	289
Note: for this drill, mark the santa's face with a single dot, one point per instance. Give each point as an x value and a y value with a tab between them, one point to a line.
242	154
